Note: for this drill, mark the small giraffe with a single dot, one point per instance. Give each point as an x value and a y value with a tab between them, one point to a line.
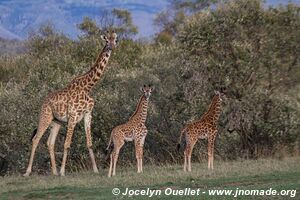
204	128
70	105
134	129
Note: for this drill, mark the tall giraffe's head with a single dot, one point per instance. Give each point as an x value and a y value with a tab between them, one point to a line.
111	40
221	93
147	90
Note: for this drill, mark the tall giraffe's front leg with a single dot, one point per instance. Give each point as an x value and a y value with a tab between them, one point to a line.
51	143
71	126
45	119
87	124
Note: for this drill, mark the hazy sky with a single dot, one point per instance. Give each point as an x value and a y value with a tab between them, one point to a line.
18	17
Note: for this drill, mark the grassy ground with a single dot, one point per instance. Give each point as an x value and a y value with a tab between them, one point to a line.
249	174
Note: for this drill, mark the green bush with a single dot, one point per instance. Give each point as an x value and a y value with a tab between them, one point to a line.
242	45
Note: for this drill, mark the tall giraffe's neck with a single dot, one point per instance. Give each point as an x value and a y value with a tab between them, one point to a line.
140	113
88	80
214	109
97	69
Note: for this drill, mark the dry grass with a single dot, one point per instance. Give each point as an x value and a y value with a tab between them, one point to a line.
152	176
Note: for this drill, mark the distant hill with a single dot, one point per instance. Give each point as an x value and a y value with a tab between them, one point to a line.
4	33
11	47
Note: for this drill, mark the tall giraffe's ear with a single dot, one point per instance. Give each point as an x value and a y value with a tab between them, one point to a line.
152	88
217	92
223	90
142	89
103	37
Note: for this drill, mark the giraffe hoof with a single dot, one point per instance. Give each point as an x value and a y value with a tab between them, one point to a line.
26	174
62	174
96	171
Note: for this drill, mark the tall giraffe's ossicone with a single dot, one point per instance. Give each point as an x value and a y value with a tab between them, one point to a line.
70	105
205	128
135	129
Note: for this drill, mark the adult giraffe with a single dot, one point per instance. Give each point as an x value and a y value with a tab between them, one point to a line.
70	105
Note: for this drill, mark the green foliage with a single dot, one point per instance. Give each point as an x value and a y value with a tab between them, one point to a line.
253	52
164	38
169	21
193	5
89	27
123	23
250	49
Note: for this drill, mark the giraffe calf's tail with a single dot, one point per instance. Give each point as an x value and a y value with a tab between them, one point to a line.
109	148
182	141
33	134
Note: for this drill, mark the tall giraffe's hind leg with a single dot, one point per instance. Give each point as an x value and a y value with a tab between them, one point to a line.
71	126
45	119
87	124
51	143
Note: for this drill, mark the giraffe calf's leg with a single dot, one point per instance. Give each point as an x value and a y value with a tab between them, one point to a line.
210	149
111	165
51	142
115	160
139	143
189	150
139	157
116	155
185	162
210	159
189	163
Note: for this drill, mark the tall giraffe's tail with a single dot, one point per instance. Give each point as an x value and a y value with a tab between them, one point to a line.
182	140
33	134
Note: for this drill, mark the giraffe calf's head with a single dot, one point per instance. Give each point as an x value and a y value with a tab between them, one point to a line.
221	93
111	39
147	90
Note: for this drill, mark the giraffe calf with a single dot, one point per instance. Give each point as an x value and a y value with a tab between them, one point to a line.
204	128
133	130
